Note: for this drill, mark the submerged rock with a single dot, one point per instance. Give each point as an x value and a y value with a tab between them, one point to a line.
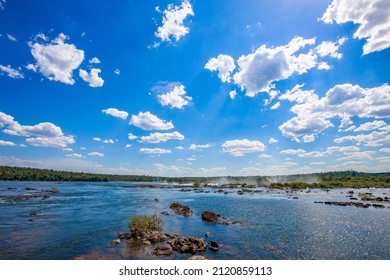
115	241
188	244
165	213
214	246
163	250
197	258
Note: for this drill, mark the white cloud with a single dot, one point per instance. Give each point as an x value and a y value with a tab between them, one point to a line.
358	156
240	147
57	60
346	150
154	151
275	106
94	60
233	94
272	141
2	4
173	22
106	141
42	134
176	98
373	139
117	71
385	150
265	156
158	137
131	136
323	66
179	148
370	126
7	143
92	78
292	151
328	48
259	70
224	64
116	113
32	67
314	114
308	138
12	73
12	38
372	16
199	147
96	154
75	155
148	121
128	146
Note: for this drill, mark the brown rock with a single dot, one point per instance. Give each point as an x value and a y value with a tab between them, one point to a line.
209	216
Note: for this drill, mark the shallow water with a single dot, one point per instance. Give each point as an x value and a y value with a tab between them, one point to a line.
83	218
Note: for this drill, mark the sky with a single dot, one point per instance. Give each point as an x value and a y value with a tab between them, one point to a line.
195	88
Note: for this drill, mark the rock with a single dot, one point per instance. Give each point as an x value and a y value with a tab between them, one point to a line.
379	199
378	206
147	242
208	234
165	213
156	200
181	209
187	244
223	223
295	197
123	235
209	216
237	223
197	258
163	250
115	241
214	246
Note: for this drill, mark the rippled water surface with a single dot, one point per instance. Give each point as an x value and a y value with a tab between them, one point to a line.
83	218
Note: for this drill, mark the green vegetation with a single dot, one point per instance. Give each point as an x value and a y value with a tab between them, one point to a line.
328	180
145	223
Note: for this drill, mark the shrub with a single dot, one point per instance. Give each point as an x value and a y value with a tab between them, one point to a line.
145	223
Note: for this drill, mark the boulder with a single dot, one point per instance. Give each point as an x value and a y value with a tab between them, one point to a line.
165	213
163	250
197	258
116	241
214	246
181	209
209	216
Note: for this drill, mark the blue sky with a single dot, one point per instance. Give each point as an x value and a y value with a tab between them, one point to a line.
195	88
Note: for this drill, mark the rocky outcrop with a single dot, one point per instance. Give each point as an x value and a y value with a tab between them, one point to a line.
163	250
214	246
181	209
209	217
188	244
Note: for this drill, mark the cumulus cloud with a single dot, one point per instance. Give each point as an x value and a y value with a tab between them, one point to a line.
265	156
272	141
97	154
7	143
176	98
106	141
12	73
42	134
116	113
329	48
238	148
233	94
92	78
373	139
131	136
158	137
173	22
346	150
224	64
199	147
314	114
275	106
94	60
148	121
259	70
57	60
370	126
154	151
372	16
117	71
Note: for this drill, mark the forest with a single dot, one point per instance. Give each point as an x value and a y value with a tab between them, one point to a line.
337	179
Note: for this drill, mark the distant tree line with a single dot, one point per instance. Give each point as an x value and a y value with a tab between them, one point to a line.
349	178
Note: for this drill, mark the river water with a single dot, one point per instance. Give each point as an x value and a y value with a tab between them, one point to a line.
83	218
